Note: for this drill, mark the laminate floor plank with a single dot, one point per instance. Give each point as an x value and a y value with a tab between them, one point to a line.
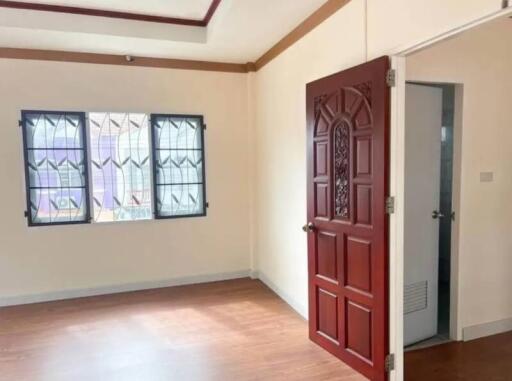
233	330
486	359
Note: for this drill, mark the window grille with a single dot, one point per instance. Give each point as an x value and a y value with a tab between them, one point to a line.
179	170
55	167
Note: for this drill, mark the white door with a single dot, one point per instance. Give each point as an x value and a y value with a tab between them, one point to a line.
423	122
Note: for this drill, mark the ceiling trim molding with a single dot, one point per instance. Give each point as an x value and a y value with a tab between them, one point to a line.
211	11
111	59
310	23
113	14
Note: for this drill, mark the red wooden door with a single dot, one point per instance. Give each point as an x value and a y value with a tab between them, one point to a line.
347	138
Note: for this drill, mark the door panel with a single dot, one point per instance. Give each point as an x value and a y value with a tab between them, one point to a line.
328	315
327	256
359	328
423	121
358	261
347	137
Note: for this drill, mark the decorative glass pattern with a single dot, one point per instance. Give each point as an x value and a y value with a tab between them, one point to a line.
120	166
55	167
179	179
341	170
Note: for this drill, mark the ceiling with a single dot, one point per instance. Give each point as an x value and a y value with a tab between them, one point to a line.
187	9
240	30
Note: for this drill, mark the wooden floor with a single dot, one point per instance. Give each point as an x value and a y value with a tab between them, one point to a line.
234	330
487	359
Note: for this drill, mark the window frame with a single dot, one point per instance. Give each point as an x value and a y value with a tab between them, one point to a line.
153	118
82	117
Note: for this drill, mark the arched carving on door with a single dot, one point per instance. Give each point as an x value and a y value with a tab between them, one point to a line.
338	116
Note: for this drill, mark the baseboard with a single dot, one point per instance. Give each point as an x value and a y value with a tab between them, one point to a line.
115	289
486	329
254	274
297	306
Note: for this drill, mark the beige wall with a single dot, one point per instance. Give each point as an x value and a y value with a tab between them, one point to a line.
56	259
280	165
280	88
481	60
394	25
257	191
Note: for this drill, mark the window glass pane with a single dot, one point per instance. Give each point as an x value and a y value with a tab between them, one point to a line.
56	169
120	166
57	205
54	130
179	165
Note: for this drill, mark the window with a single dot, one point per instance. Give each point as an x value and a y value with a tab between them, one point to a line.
133	176
179	165
55	167
120	167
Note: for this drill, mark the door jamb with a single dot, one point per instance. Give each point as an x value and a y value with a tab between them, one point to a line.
396	181
455	324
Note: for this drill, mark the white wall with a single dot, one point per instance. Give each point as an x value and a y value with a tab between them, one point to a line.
56	259
280	131
481	60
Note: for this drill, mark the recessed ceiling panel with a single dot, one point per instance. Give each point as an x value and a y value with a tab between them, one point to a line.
240	31
185	9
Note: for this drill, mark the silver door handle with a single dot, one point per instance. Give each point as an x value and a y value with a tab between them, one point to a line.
309	227
437	215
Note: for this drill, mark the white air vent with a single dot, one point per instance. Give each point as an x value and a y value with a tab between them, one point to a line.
415	297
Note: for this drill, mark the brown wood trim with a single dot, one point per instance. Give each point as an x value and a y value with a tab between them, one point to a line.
251	66
112	14
211	11
110	59
315	19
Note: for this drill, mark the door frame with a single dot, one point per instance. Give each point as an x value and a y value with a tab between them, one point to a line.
396	184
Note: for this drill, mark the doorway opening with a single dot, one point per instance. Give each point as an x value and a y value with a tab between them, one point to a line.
480	313
429	136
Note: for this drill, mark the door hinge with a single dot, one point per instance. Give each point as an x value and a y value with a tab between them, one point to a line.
389	363
391	77
20	123
390	205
